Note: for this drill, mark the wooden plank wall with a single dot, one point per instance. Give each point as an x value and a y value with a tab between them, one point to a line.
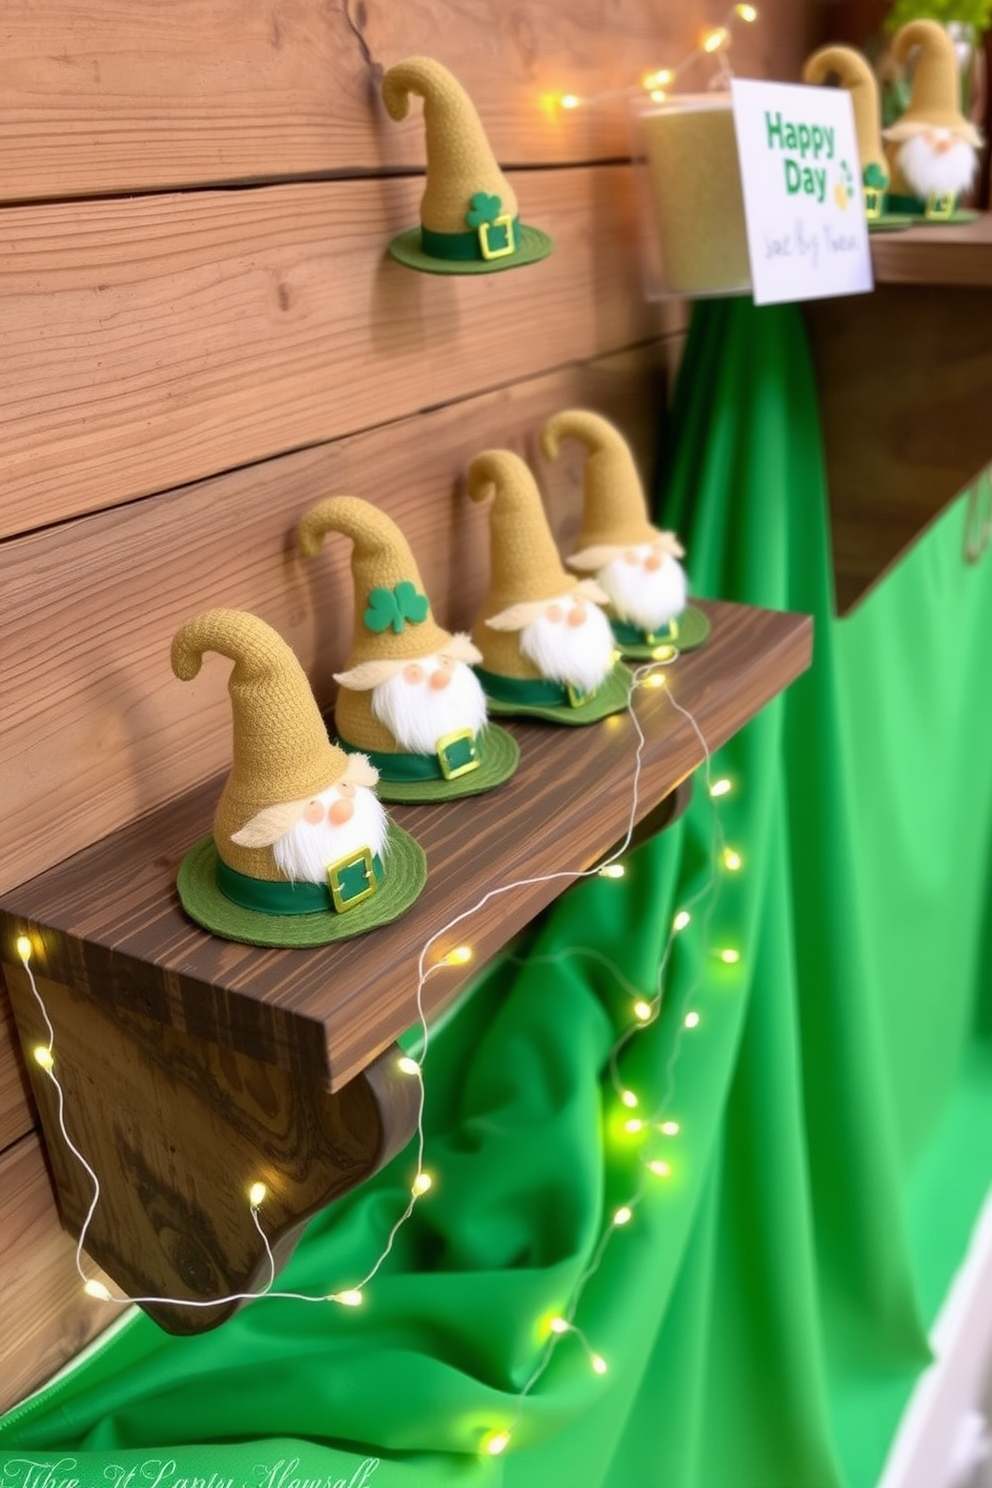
203	335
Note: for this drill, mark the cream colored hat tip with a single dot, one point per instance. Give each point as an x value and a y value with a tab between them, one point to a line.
469	222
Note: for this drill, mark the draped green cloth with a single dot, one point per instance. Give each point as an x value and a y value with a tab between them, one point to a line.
764	1312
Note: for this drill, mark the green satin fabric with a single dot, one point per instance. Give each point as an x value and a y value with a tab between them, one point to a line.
764	1314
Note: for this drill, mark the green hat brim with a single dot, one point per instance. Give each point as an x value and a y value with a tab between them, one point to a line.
406	249
694	630
892	222
500	756
405	875
612	697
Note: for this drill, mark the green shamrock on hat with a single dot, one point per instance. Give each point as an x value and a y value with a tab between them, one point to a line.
395	607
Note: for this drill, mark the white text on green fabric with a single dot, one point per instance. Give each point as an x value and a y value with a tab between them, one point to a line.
802	146
159	1472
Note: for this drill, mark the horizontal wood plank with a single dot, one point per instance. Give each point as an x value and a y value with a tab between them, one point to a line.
96	99
152	342
109	923
45	1316
103	732
952	256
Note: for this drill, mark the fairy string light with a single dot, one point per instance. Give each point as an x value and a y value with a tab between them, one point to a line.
648	675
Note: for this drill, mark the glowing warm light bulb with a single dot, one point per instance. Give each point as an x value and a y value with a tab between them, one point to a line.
654	679
746	12
43	1056
24	947
635	1124
714	40
691	1020
657	79
351	1298
460	956
560	1325
729	956
629	1099
408	1066
732	860
643	1011
623	1215
682	919
662	653
98	1290
658	95
422	1183
721	787
670	1128
598	1363
496	1443
568	101
659	1168
612	870
256	1194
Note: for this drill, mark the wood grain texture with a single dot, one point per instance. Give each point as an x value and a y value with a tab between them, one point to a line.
108	922
952	256
45	1316
96	98
17	1111
151	342
90	607
905	380
177	1131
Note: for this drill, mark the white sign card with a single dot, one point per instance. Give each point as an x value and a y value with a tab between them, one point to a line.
800	171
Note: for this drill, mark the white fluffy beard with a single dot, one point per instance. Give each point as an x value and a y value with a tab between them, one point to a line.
418	715
307	850
645	598
941	173
579	656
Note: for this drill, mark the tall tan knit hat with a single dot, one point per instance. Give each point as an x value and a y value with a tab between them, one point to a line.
280	747
858	78
935	99
614	512
469	220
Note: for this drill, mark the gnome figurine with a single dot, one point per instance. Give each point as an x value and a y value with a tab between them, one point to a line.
933	148
547	647
858	78
409	699
468	215
633	562
302	851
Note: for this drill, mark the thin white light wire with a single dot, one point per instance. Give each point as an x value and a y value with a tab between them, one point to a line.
725	70
423	974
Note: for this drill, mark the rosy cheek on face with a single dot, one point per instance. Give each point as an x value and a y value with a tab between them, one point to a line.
577	615
653	562
630	557
440	679
347	790
314	813
553	613
340	812
413	674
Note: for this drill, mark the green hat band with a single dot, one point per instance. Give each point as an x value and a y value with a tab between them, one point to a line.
269	897
629	635
532	692
499	239
460	756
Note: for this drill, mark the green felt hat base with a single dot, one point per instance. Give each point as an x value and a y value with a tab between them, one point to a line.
694	630
405	875
611	697
500	756
407	249
892	222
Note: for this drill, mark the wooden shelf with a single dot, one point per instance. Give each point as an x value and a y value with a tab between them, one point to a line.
110	916
194	1066
905	381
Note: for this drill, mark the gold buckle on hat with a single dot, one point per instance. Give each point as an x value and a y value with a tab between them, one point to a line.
343	901
577	698
485	228
670	633
447	744
940	206
873	198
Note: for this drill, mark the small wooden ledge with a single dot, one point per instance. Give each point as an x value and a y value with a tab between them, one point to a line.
905	381
194	1066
